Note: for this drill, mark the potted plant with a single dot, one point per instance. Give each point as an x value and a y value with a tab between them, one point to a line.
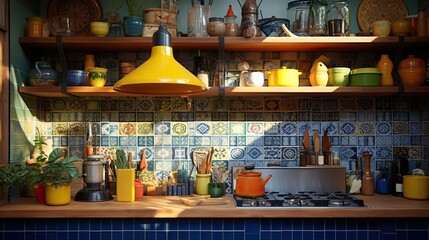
58	172
133	23
125	177
11	174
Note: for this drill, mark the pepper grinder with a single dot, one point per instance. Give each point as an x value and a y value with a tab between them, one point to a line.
367	179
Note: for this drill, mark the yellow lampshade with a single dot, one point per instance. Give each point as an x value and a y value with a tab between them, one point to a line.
161	74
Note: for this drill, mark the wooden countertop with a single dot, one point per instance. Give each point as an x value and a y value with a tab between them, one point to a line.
171	207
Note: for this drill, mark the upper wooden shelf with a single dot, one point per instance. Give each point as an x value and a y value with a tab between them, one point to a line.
87	91
231	43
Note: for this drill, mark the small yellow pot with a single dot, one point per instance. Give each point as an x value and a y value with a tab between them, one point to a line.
416	187
57	196
283	77
97	76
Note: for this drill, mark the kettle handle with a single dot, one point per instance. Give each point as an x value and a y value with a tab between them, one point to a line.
39	73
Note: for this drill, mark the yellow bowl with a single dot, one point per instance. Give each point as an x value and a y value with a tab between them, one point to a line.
400	28
97	76
99	29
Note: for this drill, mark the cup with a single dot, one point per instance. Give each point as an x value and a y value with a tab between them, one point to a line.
216	189
254	79
381	28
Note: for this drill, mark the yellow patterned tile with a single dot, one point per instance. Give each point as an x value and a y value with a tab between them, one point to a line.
145	128
179	128
128	129
60	129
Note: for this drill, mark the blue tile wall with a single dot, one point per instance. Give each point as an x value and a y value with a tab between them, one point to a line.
216	229
261	130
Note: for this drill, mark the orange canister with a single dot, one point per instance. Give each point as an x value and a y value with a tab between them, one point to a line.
34	26
138	189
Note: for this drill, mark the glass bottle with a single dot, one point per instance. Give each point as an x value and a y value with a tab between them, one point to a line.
297	13
383	182
385	66
317	18
339	19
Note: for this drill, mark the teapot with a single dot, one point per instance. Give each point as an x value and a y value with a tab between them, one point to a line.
42	75
250	184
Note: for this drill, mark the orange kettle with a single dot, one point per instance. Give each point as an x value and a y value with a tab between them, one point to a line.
250	184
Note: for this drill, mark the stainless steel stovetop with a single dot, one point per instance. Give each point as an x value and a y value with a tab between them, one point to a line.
301	199
302	187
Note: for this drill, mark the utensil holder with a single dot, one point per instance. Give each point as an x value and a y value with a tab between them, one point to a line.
202	184
125	190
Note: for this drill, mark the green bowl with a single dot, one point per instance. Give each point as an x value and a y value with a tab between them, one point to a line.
365	79
338	76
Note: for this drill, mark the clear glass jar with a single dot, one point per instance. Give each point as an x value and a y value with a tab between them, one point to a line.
317	18
297	13
339	19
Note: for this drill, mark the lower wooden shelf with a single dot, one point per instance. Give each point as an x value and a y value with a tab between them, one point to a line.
308	91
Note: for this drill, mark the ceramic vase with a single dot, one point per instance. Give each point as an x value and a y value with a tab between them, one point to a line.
385	66
39	193
133	26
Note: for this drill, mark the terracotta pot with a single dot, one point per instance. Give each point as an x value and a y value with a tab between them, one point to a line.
250	184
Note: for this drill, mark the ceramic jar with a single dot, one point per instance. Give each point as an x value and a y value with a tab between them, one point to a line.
412	71
42	75
319	75
34	26
216	26
202	183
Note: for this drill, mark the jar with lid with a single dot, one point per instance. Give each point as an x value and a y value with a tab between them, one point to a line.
298	12
317	18
339	19
231	25
216	26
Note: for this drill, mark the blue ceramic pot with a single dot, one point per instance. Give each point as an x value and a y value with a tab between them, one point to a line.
42	75
133	26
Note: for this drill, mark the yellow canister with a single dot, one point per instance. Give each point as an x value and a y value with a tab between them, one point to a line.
416	187
283	77
125	185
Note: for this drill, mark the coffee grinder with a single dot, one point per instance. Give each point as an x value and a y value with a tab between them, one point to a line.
93	188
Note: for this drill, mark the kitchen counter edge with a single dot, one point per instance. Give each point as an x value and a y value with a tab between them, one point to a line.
378	206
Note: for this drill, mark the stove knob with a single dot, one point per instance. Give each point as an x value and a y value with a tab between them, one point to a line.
252	203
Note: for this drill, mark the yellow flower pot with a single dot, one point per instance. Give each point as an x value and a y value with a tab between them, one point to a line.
57	196
125	179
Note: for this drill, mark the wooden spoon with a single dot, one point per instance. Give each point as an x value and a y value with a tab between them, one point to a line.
306	140
316	142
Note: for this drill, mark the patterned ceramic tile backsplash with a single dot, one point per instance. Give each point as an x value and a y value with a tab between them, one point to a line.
260	130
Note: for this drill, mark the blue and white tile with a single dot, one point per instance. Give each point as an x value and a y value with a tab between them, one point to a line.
255	141
145	141
384	153
272	140
347	128
331	127
237	153
254	129
180	152
237	128
272	153
220	128
254	153
180	140
203	128
163	153
289	153
272	128
290	141
289	128
163	140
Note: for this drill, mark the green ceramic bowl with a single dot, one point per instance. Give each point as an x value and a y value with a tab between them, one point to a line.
338	76
365	77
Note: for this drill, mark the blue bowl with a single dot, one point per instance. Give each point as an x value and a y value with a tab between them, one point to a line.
76	78
273	24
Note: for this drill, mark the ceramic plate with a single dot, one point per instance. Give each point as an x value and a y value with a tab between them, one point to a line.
81	13
370	11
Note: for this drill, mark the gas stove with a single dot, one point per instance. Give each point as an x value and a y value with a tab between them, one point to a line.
301	199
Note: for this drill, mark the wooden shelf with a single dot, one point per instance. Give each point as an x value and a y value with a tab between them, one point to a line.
87	91
231	43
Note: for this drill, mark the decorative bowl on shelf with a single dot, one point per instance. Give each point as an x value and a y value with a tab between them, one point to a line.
99	29
76	78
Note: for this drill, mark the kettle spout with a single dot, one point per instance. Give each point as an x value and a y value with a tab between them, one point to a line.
266	179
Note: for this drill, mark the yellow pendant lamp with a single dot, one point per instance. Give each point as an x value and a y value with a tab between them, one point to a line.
161	74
